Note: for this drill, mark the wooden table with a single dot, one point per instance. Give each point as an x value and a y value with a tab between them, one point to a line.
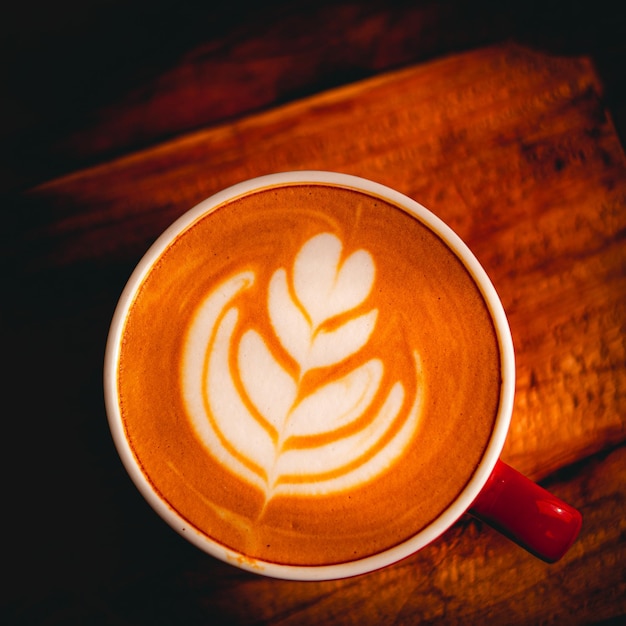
512	145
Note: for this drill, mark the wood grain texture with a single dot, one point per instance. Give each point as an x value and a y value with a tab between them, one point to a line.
82	84
518	158
452	581
510	146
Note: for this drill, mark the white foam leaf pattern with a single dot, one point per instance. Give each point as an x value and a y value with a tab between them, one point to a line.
205	369
269	387
331	456
233	420
314	470
310	346
349	396
331	347
247	407
291	326
323	286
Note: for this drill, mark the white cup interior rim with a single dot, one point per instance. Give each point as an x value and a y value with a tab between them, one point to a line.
391	555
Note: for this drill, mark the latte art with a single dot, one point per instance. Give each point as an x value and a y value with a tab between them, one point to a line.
244	392
307	375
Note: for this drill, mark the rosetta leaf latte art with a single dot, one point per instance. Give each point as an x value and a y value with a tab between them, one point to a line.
248	408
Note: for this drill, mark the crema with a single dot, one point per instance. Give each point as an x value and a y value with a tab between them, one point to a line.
308	374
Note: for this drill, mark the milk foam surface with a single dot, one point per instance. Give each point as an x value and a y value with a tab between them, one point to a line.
250	411
308	375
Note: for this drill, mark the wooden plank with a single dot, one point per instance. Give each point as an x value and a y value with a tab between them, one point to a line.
510	147
81	85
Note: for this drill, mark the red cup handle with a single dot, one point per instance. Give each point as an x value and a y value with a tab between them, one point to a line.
528	514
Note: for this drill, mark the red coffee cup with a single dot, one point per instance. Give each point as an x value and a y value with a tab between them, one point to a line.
496	493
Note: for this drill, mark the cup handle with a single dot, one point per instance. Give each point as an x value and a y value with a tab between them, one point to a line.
526	513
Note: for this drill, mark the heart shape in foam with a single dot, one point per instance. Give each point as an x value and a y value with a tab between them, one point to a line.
326	288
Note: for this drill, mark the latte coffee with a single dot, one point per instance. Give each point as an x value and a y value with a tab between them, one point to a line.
306	374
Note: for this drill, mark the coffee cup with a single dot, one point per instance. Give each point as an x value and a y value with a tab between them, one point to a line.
310	376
